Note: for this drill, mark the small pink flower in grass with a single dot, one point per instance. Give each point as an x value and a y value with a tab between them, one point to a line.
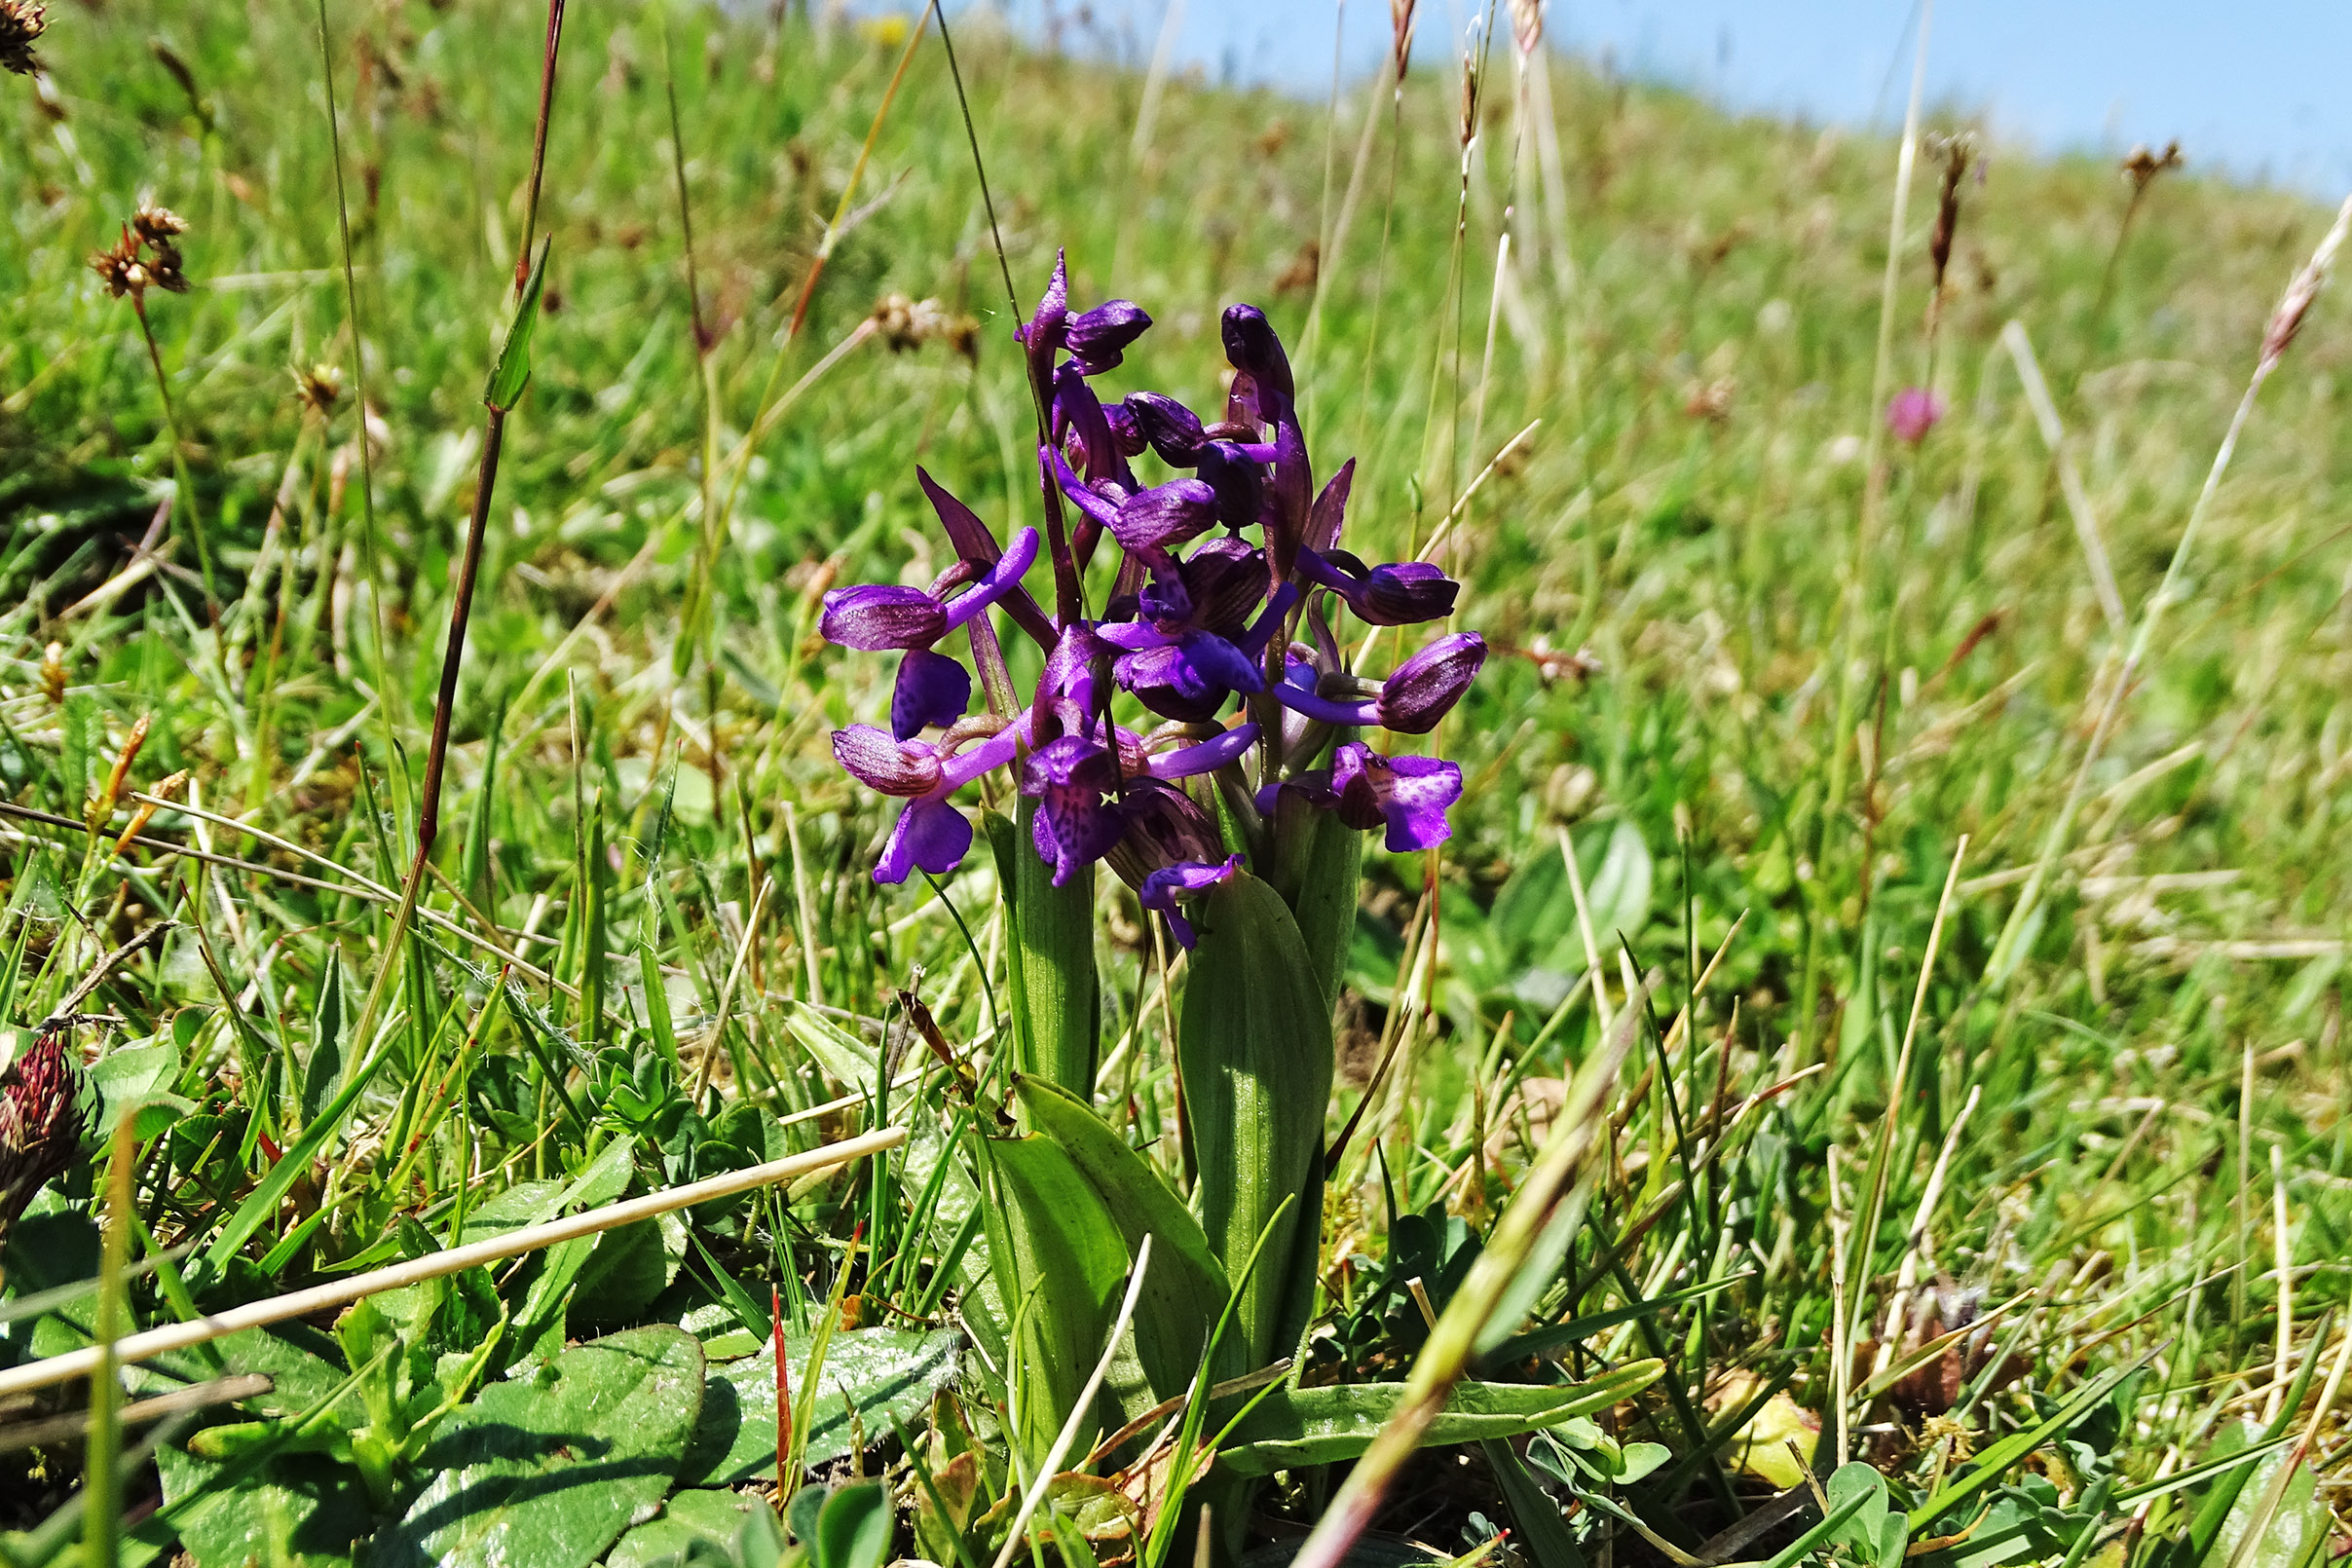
1912	413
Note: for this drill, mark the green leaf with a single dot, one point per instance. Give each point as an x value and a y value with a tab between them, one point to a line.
1321	884
547	1471
1862	1530
324	1069
854	1530
879	1374
1256	1052
712	1518
260	1205
628	1268
513	370
1543	1533
1059	1262
1298	1426
297	1511
1056	999
1185	1289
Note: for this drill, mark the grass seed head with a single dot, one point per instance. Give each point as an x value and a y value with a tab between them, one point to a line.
2288	319
320	387
1400	35
22	21
2141	167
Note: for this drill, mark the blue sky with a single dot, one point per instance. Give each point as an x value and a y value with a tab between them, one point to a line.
2256	88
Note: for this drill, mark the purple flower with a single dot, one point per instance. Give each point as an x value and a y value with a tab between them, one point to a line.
1172	429
932	690
1912	413
1164	826
1421	691
1173	662
1401	594
1424	688
1406	795
1074	825
1164	886
876	617
1257	352
1097	339
929	833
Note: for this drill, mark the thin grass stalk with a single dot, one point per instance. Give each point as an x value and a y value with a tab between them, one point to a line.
153	1342
369	545
2284	323
1854	606
102	1476
180	477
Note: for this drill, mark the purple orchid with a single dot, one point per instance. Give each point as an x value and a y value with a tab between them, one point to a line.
1162	888
1201	617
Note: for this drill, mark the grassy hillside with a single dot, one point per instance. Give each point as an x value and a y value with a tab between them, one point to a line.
1762	665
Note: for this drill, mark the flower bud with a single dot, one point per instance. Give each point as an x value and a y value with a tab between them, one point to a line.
1426	686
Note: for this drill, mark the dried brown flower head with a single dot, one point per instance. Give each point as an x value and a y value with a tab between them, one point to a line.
147	256
21	22
2288	319
53	673
157	225
119	269
1400	36
320	387
1957	153
909	324
41	1120
2144	165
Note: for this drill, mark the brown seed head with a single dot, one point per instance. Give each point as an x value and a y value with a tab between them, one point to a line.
21	22
1957	153
909	324
157	225
119	269
1400	35
164	268
52	672
320	387
2144	165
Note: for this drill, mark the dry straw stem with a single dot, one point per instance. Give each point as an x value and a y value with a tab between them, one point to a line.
2285	322
2070	479
1575	1131
530	1239
1067	1439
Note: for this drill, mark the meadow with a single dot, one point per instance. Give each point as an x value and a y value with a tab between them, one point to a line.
1863	1081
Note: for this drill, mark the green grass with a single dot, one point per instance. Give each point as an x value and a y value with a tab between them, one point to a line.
2161	1078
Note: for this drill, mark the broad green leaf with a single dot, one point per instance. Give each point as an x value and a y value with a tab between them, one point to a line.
853	1528
2289	1534
1535	914
1320	882
871	1377
546	1471
1256	1051
1056	998
296	1511
513	370
1860	1532
628	1268
1298	1427
1184	1289
712	1518
1059	1262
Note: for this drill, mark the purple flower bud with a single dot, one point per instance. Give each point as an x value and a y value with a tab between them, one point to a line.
1424	688
1150	521
1238	483
1912	413
877	760
1163	887
1097	339
1254	350
878	616
1043	333
1401	594
1173	430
